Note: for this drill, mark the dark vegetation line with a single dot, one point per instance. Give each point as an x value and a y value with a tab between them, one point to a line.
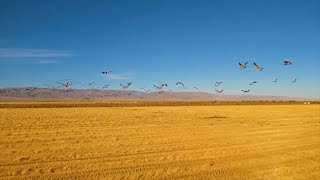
142	104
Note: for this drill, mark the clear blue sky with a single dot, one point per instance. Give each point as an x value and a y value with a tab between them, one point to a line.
153	42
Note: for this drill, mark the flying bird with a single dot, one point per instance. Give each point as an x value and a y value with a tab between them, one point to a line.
295	80
31	89
254	82
218	91
218	83
275	80
181	83
91	85
246	91
196	88
106	86
243	66
258	68
126	86
160	87
145	89
65	85
287	62
106	72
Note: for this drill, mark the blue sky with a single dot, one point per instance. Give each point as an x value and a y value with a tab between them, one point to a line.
153	42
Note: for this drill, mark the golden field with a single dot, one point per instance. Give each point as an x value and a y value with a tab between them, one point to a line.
180	142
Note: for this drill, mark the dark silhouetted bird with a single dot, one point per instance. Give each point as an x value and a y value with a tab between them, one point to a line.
160	87
219	91
106	72
218	83
106	86
126	86
145	90
287	62
31	88
254	82
181	83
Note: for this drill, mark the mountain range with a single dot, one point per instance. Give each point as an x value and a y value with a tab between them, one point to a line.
47	94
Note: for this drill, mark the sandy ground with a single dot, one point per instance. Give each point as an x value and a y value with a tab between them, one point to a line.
208	142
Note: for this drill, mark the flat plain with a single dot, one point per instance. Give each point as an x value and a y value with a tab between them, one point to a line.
161	142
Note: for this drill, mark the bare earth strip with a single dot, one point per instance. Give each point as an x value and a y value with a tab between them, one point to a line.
181	142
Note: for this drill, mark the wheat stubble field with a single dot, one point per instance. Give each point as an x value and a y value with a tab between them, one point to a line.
181	142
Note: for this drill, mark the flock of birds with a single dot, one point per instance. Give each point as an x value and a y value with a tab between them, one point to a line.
66	84
258	69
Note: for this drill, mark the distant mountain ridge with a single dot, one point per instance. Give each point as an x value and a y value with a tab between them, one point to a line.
47	94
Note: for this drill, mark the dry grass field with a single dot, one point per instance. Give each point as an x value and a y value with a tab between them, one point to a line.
180	142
